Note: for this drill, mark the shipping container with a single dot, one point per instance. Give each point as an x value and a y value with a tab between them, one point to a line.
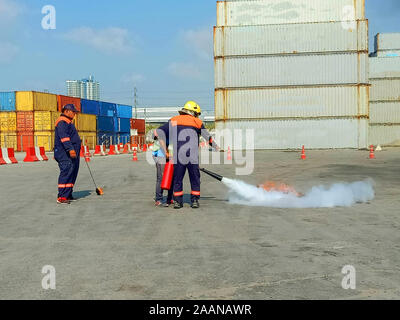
299	70
384	135
105	124
300	102
293	134
139	125
240	13
123	138
64	100
387	41
106	138
90	107
86	122
25	121
89	139
385	90
7	101
25	140
384	68
44	139
35	101
8	121
108	109
385	112
388	54
8	140
45	121
122	125
289	39
124	111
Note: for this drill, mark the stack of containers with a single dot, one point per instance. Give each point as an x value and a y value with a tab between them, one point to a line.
387	45
87	122
385	100
293	71
8	120
106	127
42	109
123	123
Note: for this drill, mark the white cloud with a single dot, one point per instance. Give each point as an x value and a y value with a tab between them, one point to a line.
185	70
7	52
110	40
200	41
9	10
132	79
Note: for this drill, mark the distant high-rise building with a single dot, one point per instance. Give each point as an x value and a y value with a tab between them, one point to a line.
85	88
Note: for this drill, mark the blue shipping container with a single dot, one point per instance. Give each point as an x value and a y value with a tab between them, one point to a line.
105	124
124	111
108	109
122	125
7	101
106	138
90	107
124	138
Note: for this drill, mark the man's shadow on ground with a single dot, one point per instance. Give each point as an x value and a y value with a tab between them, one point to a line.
82	194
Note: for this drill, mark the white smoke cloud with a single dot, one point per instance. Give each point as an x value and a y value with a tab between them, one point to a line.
336	195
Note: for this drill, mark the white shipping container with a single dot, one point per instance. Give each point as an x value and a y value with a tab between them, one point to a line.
385	90
290	39
293	134
384	135
240	13
384	68
387	41
297	102
385	112
298	70
387	53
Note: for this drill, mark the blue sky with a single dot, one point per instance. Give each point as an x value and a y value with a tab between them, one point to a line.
163	47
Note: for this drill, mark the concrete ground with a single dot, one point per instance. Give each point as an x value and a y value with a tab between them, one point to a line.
120	246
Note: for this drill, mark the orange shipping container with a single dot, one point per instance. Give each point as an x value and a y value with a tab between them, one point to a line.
139	125
63	100
24	121
24	140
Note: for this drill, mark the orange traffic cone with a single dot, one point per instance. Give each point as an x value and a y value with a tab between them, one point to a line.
303	154
229	156
134	155
145	148
371	152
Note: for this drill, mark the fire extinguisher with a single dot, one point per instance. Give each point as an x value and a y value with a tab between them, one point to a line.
167	176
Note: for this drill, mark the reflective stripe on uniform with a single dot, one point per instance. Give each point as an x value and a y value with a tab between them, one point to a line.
69	185
178	194
196	193
65	140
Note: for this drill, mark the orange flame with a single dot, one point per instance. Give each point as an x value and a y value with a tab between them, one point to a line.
271	186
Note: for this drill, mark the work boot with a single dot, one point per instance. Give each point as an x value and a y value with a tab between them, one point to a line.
63	201
195	204
178	205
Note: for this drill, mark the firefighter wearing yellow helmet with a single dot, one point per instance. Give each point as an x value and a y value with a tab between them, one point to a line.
183	132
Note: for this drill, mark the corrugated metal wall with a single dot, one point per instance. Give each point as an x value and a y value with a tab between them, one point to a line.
294	71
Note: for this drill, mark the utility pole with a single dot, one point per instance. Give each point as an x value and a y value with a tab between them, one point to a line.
135	101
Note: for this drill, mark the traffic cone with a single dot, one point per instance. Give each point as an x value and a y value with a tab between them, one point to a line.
303	154
134	155
145	148
126	149
371	152
229	156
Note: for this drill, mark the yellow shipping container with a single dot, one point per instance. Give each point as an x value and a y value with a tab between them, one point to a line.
35	101
45	121
8	140
89	139
44	139
85	122
8	121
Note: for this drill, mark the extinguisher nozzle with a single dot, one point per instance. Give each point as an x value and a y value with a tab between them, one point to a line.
212	174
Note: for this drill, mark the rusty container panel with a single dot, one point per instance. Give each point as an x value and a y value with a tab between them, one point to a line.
300	102
297	70
241	13
64	100
385	90
388	67
385	112
25	121
384	135
8	121
25	140
290	39
293	134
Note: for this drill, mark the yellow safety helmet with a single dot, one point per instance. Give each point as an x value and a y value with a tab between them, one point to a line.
192	106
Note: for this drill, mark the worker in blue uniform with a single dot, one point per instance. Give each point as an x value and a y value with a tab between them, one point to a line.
184	131
67	146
